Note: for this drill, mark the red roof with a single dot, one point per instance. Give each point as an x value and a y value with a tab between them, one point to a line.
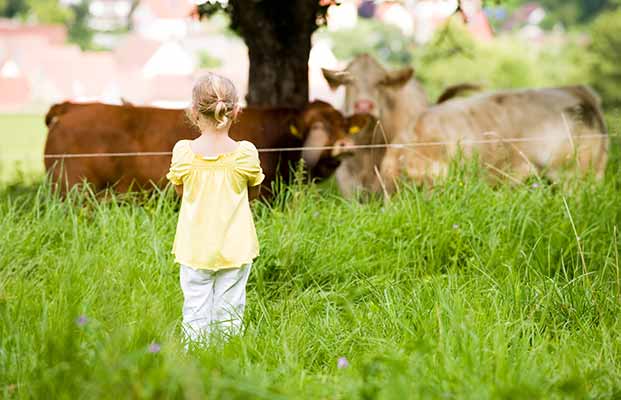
15	93
479	26
51	69
170	8
95	72
54	34
135	51
169	88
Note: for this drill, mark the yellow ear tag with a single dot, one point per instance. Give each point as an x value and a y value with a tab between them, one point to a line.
294	131
353	130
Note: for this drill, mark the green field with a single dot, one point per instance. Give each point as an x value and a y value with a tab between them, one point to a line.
22	139
460	292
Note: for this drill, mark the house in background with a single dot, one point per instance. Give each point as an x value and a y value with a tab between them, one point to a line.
154	64
39	68
342	16
109	15
108	18
396	14
165	19
154	72
527	21
14	87
53	34
476	20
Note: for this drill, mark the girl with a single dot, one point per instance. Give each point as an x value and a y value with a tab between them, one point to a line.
216	240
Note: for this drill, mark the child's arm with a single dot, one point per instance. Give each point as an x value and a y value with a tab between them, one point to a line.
179	165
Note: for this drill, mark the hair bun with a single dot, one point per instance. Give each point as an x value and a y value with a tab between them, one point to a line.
215	98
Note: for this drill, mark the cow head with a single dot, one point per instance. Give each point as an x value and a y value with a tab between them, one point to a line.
368	85
320	125
360	130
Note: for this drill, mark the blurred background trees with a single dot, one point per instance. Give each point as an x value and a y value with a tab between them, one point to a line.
605	57
533	42
278	36
74	16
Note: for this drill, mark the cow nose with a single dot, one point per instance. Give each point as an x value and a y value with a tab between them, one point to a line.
341	147
364	106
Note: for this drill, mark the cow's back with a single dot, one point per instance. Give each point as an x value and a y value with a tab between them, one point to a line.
100	129
527	130
510	114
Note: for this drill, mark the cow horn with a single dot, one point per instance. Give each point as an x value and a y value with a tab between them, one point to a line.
336	78
398	78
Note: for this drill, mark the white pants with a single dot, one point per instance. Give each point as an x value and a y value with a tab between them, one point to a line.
213	300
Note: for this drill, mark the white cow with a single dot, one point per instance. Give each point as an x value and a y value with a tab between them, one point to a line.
516	133
395	99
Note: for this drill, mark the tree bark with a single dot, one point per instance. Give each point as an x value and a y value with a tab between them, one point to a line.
278	36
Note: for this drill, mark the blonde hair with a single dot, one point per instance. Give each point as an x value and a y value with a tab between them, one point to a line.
214	97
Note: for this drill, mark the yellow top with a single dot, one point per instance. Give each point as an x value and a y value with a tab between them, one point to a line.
215	228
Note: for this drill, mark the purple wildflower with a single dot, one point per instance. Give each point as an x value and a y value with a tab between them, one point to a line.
81	320
342	363
154	348
534	185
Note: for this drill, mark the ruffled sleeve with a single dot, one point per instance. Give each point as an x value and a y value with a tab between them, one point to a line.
248	164
180	164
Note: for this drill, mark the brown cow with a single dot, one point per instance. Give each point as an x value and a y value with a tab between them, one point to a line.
359	169
100	128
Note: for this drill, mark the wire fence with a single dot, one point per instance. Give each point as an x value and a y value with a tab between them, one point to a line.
323	148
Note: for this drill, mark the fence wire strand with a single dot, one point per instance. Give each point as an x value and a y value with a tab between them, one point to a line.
347	148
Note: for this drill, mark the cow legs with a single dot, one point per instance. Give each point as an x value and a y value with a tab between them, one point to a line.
346	181
67	173
391	167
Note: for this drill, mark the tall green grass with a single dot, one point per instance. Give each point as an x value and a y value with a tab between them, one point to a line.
460	291
463	291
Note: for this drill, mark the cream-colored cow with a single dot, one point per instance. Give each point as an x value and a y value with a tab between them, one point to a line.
516	133
393	97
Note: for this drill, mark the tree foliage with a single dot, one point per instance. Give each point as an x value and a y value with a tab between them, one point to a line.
384	41
273	7
574	12
278	37
13	8
605	55
79	31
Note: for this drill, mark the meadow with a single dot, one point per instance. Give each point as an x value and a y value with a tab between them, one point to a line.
22	139
463	291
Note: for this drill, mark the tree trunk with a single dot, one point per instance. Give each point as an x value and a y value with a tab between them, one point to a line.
278	36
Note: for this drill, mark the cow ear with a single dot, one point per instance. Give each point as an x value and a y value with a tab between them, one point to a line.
398	78
358	122
336	78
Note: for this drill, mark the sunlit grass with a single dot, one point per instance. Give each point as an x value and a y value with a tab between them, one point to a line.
22	139
462	291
